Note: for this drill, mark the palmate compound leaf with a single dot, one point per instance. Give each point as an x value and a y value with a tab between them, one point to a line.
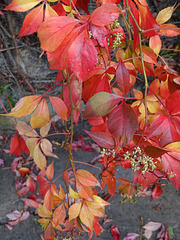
123	123
101	104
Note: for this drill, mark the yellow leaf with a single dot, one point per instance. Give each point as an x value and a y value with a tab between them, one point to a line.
175	146
24	129
45	129
44	222
73	194
31	144
98	202
46	147
39	158
43	211
67	8
24	106
40	116
164	15
74	210
86	217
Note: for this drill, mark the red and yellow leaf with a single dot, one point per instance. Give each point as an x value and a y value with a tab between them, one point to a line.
22	5
24	106
101	104
40	116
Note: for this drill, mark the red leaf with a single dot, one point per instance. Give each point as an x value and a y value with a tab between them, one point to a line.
97	83
103	139
115	232
123	123
105	15
82	55
157	191
15	147
97	227
123	78
55	28
171	163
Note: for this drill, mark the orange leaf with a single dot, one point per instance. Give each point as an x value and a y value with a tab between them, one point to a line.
84	191
40	116
50	171
74	210
24	106
48	200
22	5
39	158
86	178
155	44
59	215
59	107
32	21
169	30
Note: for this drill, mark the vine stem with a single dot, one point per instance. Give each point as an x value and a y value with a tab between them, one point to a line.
70	158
